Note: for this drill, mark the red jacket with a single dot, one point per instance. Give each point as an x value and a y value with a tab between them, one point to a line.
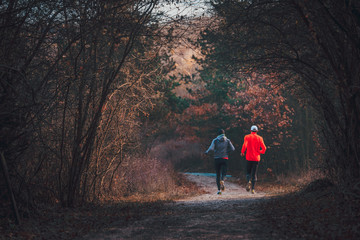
254	146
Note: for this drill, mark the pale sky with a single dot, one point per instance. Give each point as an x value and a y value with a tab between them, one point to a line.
192	8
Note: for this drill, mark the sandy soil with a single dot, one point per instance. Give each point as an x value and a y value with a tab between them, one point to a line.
233	215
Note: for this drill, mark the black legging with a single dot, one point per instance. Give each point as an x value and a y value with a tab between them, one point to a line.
251	172
221	169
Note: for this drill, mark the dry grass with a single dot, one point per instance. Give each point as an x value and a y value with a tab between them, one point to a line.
147	178
181	153
278	185
306	207
297	210
50	222
320	210
142	185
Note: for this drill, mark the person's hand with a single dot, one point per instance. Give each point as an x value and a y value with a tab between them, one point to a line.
205	152
242	154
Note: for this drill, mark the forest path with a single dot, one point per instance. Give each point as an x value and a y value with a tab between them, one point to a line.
233	215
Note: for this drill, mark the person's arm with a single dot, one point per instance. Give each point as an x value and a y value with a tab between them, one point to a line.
244	146
262	146
231	146
211	148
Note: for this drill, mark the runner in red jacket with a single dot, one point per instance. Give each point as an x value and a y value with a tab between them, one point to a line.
254	146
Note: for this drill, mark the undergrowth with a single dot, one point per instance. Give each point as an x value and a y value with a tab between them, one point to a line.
56	222
319	210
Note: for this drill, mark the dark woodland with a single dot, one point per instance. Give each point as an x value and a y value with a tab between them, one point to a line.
105	104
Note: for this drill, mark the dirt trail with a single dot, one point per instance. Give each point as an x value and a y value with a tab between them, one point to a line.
232	191
233	215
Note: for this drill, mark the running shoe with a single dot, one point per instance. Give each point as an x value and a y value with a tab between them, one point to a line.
248	186
222	186
252	191
219	192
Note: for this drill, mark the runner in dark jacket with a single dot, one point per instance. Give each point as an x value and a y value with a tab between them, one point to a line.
221	146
